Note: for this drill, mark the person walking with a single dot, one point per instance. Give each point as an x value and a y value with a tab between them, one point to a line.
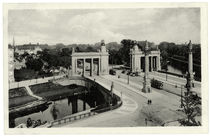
146	121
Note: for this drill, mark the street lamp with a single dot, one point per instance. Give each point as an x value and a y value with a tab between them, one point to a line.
130	65
167	69
182	96
128	77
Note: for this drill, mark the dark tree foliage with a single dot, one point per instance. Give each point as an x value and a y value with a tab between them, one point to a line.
25	54
115	57
78	49
90	49
177	54
191	107
65	52
35	64
125	50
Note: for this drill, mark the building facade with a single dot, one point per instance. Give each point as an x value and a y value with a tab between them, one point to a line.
30	49
137	60
90	62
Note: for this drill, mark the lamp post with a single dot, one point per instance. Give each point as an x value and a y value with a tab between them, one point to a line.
112	86
112	61
129	68
167	69
128	77
182	96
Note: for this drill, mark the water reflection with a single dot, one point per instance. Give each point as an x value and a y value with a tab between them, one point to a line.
54	111
61	108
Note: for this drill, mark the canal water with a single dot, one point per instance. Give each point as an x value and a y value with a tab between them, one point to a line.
63	107
58	109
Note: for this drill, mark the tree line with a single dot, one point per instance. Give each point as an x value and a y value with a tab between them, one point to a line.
60	54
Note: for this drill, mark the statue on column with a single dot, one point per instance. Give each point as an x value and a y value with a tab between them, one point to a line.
190	73
146	83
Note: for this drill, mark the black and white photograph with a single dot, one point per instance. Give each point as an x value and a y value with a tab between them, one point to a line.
105	66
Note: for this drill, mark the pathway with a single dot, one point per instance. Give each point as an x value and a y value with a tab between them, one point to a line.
32	94
33	81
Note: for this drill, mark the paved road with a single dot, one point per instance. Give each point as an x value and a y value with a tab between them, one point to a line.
130	113
172	80
126	116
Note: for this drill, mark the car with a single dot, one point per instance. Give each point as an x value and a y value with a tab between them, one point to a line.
133	74
112	72
123	71
128	73
137	73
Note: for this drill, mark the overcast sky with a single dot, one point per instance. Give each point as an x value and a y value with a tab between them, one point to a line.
69	26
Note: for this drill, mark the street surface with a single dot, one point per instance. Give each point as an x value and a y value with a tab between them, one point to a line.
135	109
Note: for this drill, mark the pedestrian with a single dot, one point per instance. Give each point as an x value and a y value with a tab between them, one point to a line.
148	102
146	121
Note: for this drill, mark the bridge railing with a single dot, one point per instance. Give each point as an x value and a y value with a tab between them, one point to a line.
83	115
119	103
71	118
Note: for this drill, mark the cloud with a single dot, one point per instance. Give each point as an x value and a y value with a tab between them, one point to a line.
91	25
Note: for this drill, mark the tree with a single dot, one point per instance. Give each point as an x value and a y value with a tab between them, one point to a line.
65	52
90	49
35	64
125	50
78	49
192	108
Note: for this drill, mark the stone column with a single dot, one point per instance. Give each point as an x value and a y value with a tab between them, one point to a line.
100	70
151	63
140	64
190	76
73	65
76	66
158	63
98	67
83	71
146	84
91	67
84	102
84	106
74	105
133	64
155	63
94	67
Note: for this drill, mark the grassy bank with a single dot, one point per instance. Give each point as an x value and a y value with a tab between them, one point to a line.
19	96
52	91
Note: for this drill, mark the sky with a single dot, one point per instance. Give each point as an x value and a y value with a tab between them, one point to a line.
89	26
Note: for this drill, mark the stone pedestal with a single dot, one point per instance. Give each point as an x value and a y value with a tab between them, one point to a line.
146	87
146	83
190	74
